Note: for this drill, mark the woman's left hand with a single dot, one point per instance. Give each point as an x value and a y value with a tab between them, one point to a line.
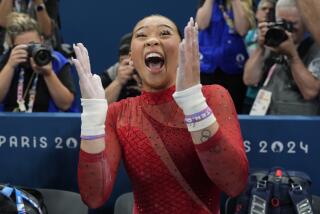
188	73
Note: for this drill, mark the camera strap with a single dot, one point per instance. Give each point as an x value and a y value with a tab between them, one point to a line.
263	99
164	155
32	92
305	46
270	73
227	18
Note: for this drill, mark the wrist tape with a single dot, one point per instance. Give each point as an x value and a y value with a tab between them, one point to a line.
198	114
94	112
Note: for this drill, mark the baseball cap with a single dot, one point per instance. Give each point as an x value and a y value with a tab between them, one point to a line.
125	43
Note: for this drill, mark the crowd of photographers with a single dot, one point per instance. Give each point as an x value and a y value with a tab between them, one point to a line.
259	50
282	70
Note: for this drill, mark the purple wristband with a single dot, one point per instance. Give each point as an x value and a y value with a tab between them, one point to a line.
92	137
194	118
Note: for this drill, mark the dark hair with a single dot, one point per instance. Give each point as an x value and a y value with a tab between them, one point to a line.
159	15
125	42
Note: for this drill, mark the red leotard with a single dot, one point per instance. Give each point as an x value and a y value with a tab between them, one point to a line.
135	124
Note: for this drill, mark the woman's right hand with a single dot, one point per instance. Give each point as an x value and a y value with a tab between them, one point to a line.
90	85
18	55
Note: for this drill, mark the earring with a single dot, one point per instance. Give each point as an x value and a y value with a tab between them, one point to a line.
131	62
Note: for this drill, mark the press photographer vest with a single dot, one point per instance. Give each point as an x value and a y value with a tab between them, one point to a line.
286	97
57	64
220	45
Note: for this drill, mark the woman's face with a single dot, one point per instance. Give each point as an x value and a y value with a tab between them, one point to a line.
293	15
154	52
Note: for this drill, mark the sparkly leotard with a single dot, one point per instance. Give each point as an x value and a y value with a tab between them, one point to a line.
136	126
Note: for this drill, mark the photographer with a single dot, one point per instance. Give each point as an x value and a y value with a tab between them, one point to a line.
121	80
32	78
264	13
286	66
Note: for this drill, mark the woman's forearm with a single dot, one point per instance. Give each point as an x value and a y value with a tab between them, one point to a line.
310	11
241	19
5	9
204	14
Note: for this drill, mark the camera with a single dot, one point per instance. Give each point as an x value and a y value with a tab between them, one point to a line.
40	54
276	33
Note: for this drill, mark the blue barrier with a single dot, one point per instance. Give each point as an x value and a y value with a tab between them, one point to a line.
41	149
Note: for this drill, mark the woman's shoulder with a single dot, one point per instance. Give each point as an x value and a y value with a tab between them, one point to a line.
215	92
214	89
217	96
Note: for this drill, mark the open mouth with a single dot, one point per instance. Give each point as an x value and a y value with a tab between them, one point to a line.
154	61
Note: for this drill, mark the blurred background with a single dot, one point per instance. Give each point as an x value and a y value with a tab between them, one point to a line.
100	24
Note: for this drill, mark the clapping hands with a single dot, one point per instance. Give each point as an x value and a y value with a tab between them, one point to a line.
188	73
90	85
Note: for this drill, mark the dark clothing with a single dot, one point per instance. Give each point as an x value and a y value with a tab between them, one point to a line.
128	90
2	37
233	83
43	97
201	2
105	79
52	7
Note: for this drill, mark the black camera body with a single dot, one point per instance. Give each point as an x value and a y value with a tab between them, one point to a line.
276	33
40	53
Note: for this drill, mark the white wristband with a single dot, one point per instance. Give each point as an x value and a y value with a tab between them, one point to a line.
93	117
195	108
191	100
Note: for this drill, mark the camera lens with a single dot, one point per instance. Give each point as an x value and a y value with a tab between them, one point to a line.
277	33
42	57
275	36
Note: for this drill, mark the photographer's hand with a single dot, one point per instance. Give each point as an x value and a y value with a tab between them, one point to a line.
262	30
18	55
125	72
